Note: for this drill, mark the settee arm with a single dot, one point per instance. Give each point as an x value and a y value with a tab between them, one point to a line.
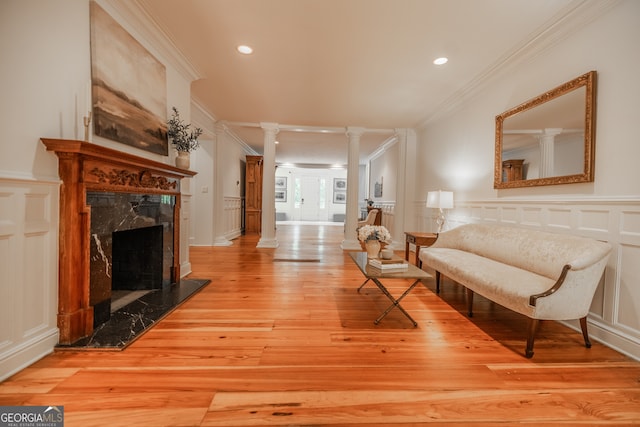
591	258
445	239
533	298
588	260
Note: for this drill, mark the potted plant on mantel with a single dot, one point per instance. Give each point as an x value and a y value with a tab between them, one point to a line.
183	139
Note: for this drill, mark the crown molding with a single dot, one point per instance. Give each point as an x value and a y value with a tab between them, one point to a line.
247	149
387	144
136	16
310	166
313	129
566	22
201	118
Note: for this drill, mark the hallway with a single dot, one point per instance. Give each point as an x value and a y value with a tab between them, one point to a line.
281	337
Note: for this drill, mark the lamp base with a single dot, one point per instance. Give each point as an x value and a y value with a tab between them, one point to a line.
440	221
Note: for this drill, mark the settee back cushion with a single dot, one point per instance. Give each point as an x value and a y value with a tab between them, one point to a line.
537	251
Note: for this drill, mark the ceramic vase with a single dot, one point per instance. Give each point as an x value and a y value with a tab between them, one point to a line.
373	248
183	161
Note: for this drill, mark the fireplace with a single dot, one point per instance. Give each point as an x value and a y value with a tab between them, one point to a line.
137	259
132	246
106	191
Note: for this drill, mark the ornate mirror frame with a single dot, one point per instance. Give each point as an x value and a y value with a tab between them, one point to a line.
586	81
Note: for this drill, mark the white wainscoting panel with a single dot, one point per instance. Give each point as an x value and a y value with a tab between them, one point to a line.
233	217
559	218
186	234
532	216
628	310
630	224
509	215
8	259
615	312
593	220
28	272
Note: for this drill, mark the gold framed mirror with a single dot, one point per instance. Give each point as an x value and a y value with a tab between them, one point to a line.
549	139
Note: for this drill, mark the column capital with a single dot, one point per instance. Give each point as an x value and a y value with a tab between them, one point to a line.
354	131
400	132
552	131
270	127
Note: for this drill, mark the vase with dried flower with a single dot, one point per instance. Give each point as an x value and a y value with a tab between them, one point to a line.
183	138
373	238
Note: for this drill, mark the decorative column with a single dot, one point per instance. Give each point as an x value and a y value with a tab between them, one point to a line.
219	214
268	236
547	146
353	159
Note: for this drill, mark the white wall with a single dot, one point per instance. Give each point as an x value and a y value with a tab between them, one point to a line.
383	169
45	69
232	163
202	218
456	152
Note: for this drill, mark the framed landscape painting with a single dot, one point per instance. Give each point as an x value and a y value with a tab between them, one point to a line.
128	87
281	196
281	182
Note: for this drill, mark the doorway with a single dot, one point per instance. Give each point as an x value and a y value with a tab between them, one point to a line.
310	198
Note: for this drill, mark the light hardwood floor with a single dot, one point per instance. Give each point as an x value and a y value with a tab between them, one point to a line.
281	337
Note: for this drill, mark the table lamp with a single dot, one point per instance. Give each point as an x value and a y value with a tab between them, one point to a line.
440	200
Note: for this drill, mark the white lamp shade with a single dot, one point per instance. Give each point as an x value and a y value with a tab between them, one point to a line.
440	199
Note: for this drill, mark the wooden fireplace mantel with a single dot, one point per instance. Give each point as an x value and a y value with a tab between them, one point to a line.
83	167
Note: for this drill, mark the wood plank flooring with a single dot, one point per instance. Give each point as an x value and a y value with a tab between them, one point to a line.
291	343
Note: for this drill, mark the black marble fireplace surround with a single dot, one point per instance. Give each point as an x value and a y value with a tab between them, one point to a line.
131	249
131	245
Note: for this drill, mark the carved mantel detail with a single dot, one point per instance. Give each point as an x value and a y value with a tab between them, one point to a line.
83	167
123	177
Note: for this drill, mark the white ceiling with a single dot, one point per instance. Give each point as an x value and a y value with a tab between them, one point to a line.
330	64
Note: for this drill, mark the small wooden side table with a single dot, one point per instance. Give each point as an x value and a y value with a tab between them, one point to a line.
419	239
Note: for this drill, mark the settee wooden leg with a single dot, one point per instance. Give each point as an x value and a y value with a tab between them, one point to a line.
469	302
533	328
585	333
437	282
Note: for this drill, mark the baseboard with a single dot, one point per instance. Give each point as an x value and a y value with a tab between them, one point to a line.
185	269
29	352
234	234
598	331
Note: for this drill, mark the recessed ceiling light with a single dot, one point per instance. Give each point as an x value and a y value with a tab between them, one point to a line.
244	49
277	142
440	61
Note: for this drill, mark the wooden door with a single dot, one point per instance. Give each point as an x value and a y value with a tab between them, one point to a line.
253	195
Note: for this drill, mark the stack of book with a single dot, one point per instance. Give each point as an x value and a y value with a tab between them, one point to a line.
389	265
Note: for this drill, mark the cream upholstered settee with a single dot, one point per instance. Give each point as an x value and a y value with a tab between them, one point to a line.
544	276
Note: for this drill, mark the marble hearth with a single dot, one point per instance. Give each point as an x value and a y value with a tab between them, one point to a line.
104	192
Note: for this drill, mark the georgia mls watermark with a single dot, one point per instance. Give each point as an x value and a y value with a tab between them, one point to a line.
31	416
